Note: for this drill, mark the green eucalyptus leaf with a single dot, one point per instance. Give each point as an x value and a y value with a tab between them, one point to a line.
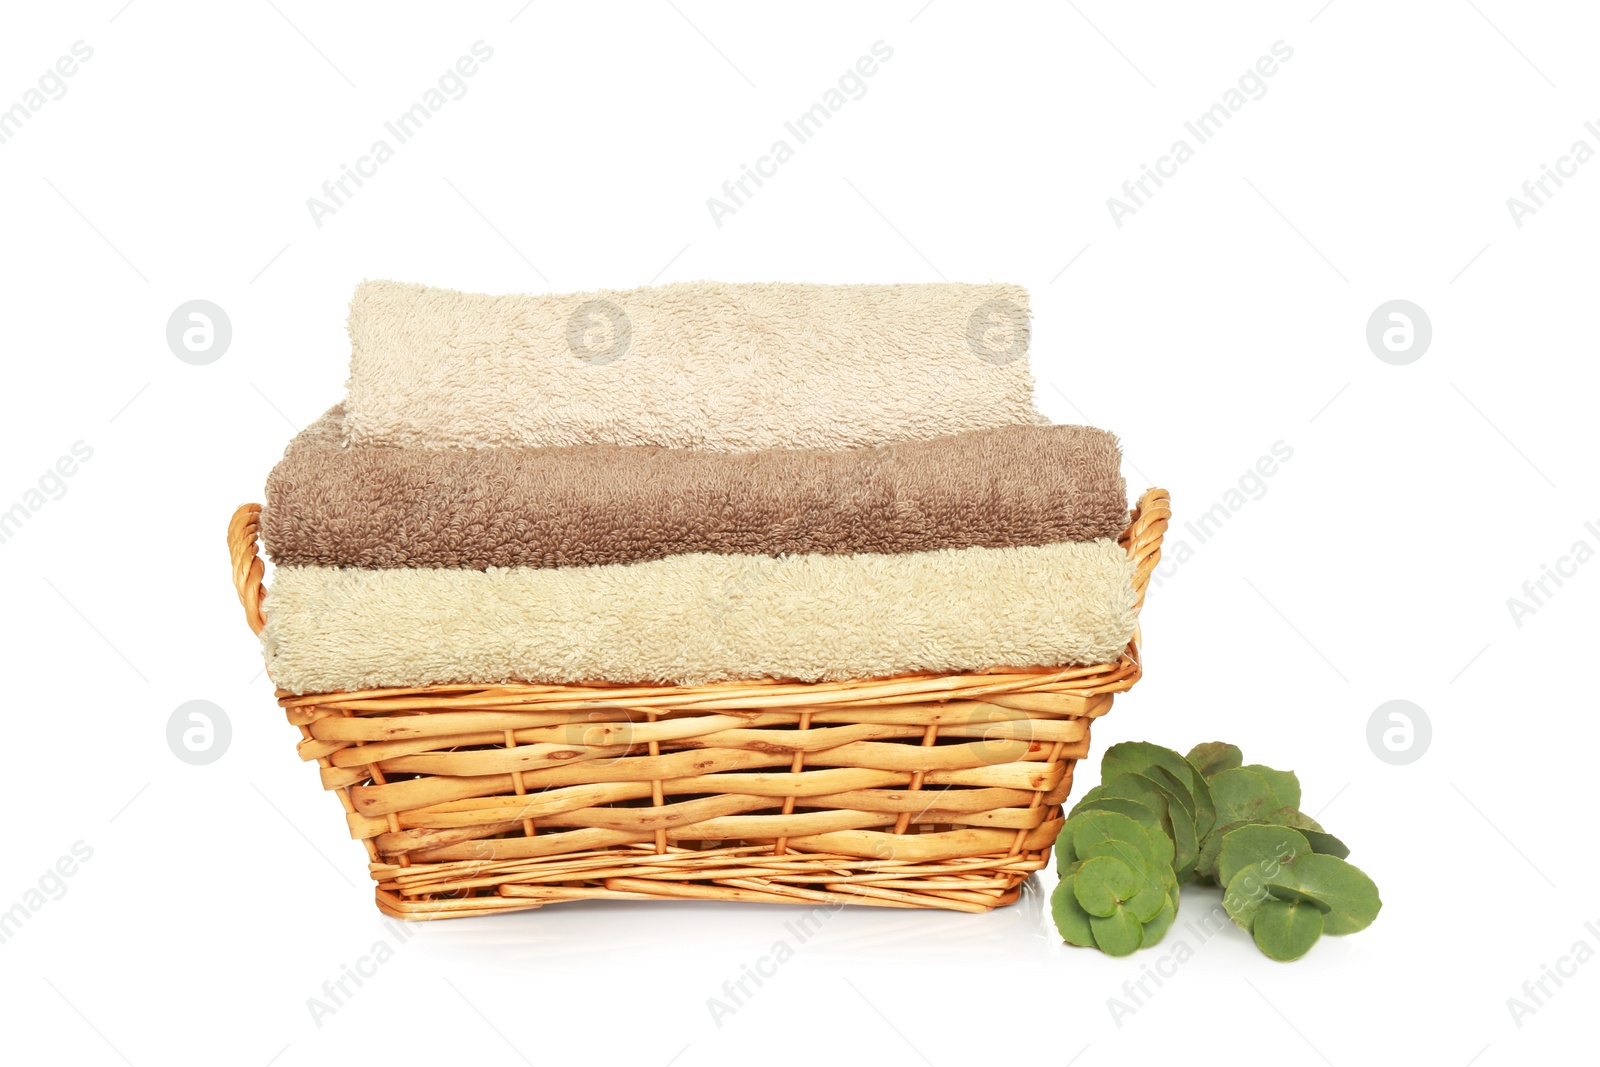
1146	904
1326	844
1066	850
1159	846
1093	828
1242	796
1130	854
1183	817
1285	930
1321	840
1117	934
1157	928
1285	784
1134	810
1211	849
1175	789
1137	757
1185	846
1213	757
1102	884
1065	857
1071	920
1294	893
1262	846
1249	889
1343	888
1290	817
1195	795
1137	787
1132	786
1205	808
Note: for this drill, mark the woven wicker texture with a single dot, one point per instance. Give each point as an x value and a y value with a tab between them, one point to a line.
916	791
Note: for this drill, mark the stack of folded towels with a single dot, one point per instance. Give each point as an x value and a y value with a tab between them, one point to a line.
689	484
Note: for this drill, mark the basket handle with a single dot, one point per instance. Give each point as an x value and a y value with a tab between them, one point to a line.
1142	538
243	531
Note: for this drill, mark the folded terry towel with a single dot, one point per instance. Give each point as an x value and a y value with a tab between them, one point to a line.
701	618
376	506
707	365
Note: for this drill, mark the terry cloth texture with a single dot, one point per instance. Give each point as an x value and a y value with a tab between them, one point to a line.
701	618
707	365
375	506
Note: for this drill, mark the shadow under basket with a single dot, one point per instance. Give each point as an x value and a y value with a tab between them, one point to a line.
919	791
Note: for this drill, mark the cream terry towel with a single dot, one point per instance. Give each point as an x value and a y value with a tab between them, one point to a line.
698	618
709	365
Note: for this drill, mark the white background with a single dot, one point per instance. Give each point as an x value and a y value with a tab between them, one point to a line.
1227	314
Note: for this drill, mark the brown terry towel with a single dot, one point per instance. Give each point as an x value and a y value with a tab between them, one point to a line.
332	504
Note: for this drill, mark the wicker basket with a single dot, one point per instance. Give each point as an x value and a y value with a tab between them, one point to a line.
921	791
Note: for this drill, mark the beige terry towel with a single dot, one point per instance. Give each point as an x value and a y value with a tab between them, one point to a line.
710	365
700	618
